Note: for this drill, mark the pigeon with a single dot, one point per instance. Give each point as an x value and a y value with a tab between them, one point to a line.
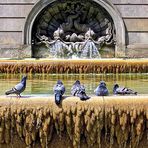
101	90
122	90
59	90
79	91
19	88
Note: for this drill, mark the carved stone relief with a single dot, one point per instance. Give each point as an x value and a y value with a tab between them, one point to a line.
73	29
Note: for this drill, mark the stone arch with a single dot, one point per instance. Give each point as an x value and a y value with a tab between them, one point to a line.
107	5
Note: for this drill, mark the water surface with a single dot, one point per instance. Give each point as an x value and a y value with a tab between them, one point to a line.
42	84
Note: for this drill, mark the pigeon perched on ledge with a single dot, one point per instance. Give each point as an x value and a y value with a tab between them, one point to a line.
79	91
59	90
122	90
19	88
101	90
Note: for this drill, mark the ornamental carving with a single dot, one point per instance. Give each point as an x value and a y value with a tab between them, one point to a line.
73	29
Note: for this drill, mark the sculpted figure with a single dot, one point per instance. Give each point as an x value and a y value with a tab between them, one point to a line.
88	47
43	39
108	38
57	47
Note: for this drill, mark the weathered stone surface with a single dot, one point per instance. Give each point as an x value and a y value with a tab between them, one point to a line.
138	46
20	52
137	51
8	53
18	1
14	24
15	10
136	24
24	52
137	37
129	1
133	10
11	38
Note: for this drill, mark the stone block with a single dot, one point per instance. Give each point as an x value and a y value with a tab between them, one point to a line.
136	24
133	10
129	1
137	37
137	51
11	38
17	1
24	52
19	52
12	24
8	53
138	46
15	10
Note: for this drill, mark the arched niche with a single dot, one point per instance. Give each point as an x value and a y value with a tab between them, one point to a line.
107	7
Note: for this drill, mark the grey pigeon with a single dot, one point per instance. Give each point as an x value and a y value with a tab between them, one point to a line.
19	88
79	91
59	90
101	90
122	90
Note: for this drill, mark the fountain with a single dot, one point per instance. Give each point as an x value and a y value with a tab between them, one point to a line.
73	40
73	29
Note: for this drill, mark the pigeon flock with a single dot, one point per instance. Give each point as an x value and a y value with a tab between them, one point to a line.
77	90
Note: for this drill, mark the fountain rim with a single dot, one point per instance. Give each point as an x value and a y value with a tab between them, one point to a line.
77	60
72	99
60	66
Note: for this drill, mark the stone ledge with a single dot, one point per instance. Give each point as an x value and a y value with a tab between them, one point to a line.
34	100
79	66
16	51
98	122
18	1
137	51
136	24
138	46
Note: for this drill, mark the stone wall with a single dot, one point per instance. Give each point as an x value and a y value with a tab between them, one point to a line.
13	14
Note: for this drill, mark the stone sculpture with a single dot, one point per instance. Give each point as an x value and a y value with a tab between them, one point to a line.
75	29
89	48
57	47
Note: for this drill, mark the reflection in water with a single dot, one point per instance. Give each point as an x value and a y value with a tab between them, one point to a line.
43	84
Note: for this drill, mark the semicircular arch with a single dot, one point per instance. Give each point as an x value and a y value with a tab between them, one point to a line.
107	5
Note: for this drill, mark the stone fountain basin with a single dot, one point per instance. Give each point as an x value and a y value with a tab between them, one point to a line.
74	66
101	121
114	100
35	118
